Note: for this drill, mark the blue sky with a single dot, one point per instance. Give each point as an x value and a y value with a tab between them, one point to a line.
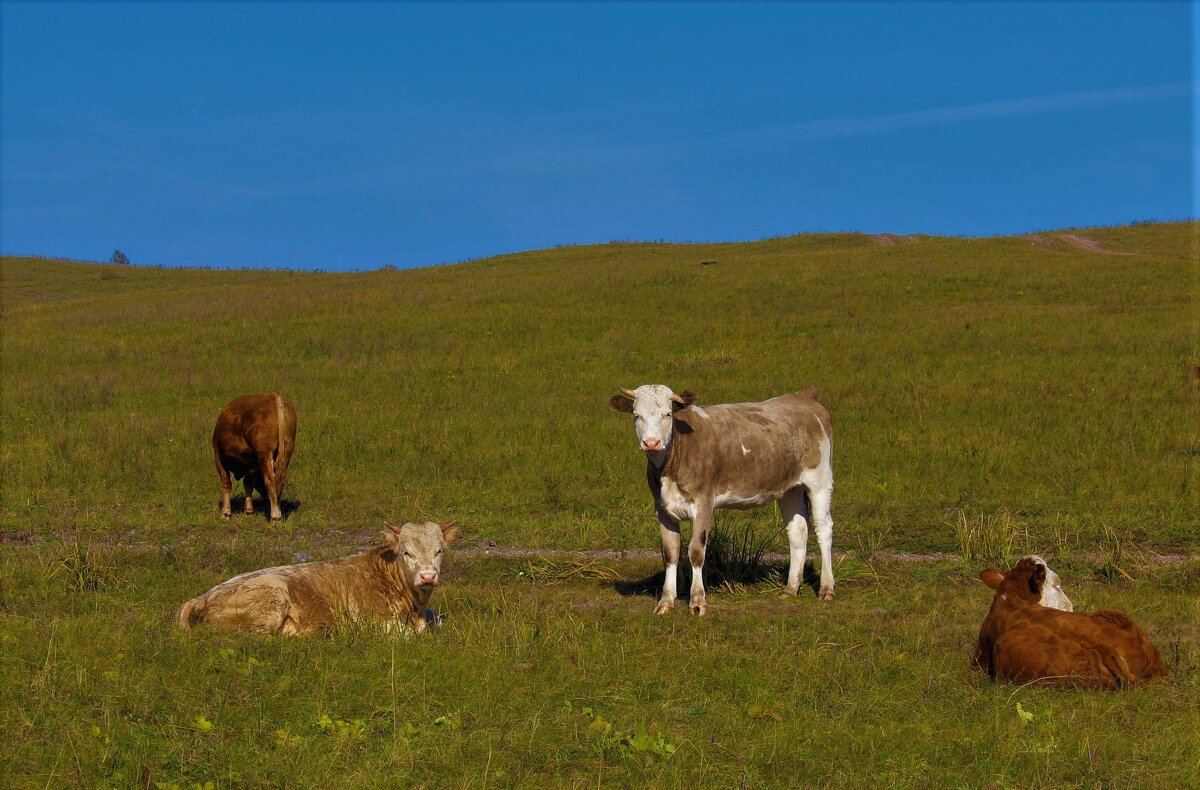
344	136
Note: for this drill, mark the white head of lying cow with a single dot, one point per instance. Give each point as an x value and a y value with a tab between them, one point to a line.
653	407
1053	596
418	550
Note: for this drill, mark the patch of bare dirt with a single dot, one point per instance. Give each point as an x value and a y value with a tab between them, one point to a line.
892	239
341	542
1088	244
1040	241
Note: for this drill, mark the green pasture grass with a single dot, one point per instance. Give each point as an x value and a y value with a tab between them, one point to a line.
1022	376
570	682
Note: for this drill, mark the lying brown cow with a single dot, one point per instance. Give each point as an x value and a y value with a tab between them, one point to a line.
390	584
1023	641
254	440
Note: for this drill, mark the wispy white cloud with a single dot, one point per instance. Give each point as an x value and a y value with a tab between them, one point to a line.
938	116
575	153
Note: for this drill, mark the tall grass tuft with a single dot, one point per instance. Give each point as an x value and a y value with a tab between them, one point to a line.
1112	556
736	555
82	568
870	540
988	538
550	571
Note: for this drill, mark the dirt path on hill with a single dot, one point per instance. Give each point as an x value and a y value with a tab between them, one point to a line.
341	543
1089	244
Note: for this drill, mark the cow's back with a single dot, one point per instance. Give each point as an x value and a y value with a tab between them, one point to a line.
765	446
254	424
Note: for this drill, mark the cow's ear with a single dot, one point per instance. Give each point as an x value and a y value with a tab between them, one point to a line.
682	400
621	403
389	539
450	533
1037	579
991	577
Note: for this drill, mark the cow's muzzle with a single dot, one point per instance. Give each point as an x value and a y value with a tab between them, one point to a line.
652	445
427	578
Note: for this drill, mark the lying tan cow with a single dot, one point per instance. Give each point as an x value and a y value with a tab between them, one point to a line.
734	455
390	583
254	439
1023	641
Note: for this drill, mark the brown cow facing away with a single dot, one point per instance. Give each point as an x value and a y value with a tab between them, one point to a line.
390	584
254	439
1023	641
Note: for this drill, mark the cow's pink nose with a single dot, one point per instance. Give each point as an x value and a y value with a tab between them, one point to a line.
428	577
652	444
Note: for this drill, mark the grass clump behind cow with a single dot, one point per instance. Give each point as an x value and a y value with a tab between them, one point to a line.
390	584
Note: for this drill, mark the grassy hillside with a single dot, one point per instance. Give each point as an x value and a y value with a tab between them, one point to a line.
1026	375
1039	383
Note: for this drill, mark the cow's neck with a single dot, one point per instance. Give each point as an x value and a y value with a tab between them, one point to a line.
399	582
664	462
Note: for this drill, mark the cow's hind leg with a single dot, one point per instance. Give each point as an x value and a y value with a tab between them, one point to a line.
669	529
226	483
793	507
266	468
820	499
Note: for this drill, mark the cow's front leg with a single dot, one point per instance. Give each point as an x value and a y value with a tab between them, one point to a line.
669	529
701	523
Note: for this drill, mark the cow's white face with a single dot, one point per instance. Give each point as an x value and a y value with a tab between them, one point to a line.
1027	579
1053	596
653	407
419	548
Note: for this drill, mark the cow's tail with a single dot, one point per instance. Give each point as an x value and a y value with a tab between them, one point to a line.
280	419
189	613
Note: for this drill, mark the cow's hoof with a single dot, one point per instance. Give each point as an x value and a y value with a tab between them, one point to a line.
227	515
664	607
277	519
699	609
790	590
827	595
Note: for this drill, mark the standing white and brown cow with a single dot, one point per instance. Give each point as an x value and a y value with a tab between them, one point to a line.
254	439
734	455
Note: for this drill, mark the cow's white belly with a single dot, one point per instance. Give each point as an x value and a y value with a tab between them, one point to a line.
738	501
683	508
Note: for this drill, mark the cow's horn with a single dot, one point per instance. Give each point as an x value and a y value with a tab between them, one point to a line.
448	524
392	527
678	399
627	393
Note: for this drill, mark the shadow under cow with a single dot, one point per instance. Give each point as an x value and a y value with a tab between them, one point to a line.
714	577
